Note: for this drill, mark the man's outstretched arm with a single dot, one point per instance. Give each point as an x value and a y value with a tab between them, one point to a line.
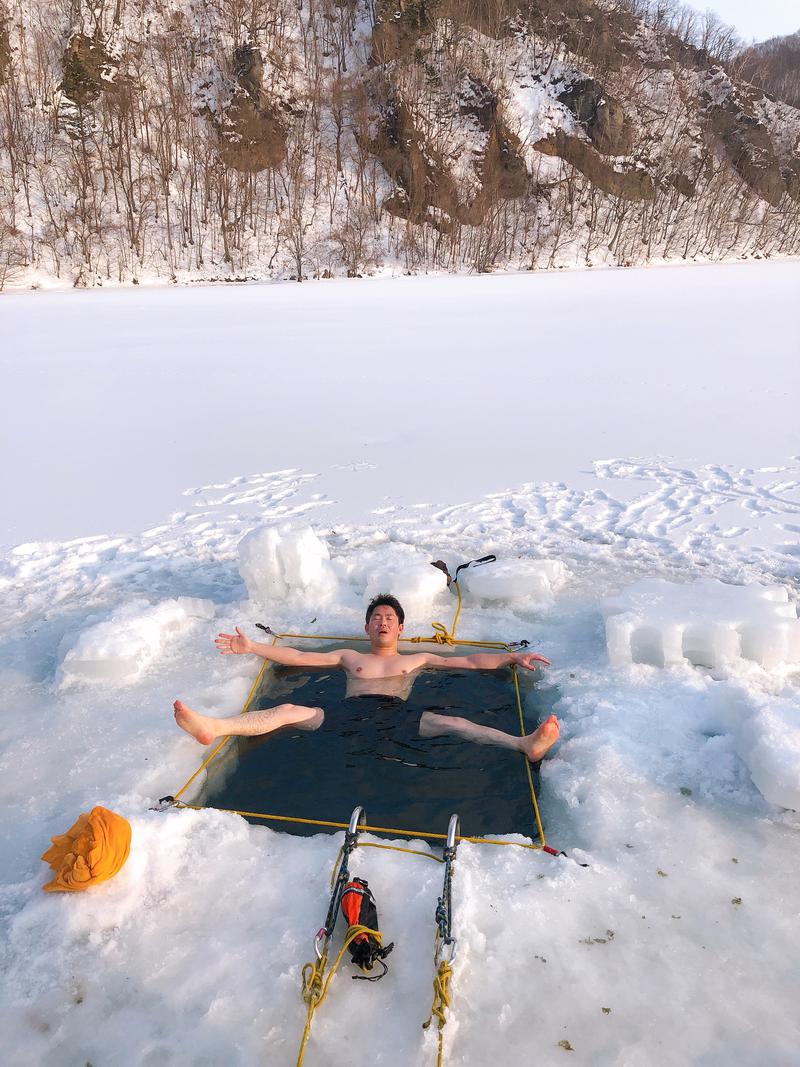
240	644
486	661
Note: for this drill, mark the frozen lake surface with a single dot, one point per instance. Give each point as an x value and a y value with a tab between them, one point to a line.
394	392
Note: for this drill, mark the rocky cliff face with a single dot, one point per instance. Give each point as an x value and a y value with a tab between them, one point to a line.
774	66
186	141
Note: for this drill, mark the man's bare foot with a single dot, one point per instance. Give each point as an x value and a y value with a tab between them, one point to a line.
537	744
193	723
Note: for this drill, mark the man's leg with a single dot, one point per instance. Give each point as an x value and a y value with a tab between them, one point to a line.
206	728
534	745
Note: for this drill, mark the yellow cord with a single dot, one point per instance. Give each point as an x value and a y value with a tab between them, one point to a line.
440	633
425	835
396	830
441	1002
315	982
528	770
316	985
218	748
398	848
440	637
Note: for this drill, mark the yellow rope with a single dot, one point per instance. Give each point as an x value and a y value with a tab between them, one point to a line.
225	740
315	982
528	770
389	848
425	835
335	868
352	934
440	633
441	1001
316	985
313	974
398	848
440	636
458	610
356	639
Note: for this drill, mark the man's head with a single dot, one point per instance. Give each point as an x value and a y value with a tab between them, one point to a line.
384	623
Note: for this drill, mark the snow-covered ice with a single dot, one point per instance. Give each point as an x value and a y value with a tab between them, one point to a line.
172	475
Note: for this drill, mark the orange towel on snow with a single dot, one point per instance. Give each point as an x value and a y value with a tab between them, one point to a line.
90	852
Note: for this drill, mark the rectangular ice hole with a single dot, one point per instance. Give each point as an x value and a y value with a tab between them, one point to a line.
377	759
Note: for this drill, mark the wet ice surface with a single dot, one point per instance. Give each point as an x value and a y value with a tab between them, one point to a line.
669	781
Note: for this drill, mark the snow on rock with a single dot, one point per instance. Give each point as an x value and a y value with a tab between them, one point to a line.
119	648
515	580
278	564
769	744
707	622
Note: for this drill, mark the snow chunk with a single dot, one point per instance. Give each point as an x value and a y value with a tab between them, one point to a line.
283	565
278	564
769	744
708	623
515	580
119	648
416	585
401	570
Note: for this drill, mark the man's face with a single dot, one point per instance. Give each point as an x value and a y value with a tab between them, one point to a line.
384	627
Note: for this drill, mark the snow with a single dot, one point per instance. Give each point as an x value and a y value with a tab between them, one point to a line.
411	391
625	425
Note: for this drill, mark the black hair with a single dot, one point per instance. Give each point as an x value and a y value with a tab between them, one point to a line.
389	601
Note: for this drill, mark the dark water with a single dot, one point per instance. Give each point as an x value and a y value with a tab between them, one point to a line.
368	752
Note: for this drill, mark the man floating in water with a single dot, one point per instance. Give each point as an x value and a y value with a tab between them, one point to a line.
384	672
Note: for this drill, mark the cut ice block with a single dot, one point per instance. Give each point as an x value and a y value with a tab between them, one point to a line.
514	580
277	564
706	623
119	648
417	585
769	743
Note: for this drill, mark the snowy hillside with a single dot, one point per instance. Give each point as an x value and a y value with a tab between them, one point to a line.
174	141
517	415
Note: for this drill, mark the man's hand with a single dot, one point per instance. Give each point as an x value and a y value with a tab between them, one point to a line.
530	660
237	643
